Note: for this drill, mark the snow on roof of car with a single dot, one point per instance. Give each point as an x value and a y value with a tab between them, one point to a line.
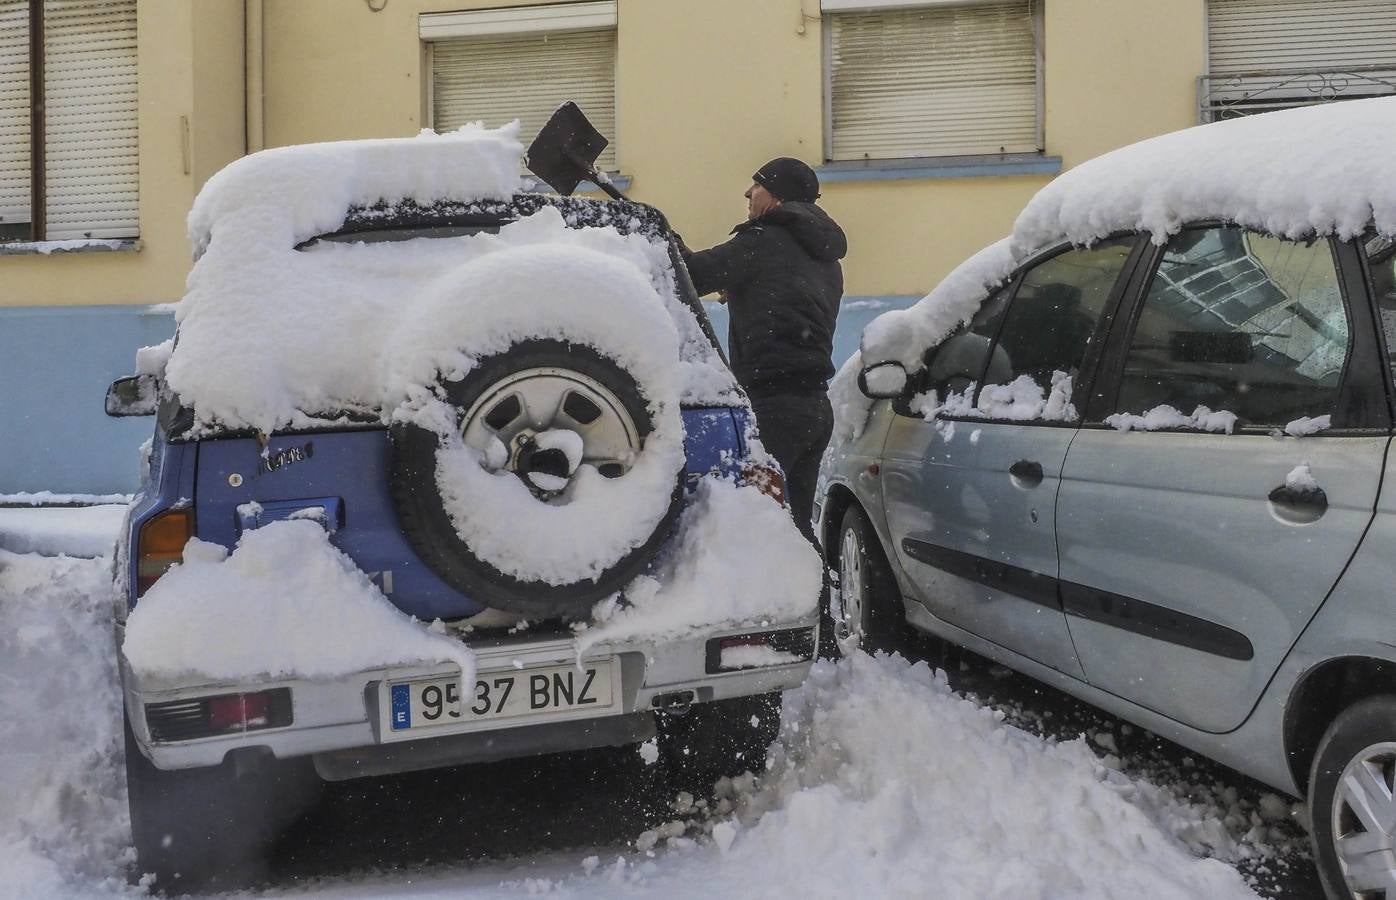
1316	170
277	330
295	193
1321	170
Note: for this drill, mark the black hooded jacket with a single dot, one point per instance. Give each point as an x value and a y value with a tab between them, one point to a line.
783	283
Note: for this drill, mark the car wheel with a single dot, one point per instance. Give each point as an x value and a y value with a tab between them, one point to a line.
1352	804
867	612
718	738
195	828
536	387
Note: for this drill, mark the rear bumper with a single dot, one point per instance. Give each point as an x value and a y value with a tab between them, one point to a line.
341	722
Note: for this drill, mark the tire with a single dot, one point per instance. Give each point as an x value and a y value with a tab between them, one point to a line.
428	526
1365	731
210	827
870	613
718	739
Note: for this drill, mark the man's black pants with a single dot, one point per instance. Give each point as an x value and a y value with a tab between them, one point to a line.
795	429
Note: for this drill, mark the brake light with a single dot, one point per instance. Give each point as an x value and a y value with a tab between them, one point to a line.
766	479
239	712
161	545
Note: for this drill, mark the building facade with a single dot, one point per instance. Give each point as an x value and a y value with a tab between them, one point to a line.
931	122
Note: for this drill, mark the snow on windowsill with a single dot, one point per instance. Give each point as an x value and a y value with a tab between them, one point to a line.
85	245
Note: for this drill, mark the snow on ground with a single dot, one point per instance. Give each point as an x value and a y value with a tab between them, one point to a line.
884	783
63	825
85	531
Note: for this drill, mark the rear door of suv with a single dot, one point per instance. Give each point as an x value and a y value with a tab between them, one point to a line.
1192	558
970	493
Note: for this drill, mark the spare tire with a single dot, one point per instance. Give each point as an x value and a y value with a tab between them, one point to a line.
541	411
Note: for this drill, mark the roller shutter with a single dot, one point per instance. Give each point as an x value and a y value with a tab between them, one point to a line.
499	78
14	119
1309	41
935	81
90	146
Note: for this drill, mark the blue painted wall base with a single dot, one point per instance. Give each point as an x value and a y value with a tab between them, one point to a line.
56	364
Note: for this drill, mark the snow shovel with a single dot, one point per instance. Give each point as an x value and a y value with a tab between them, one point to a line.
564	155
565	151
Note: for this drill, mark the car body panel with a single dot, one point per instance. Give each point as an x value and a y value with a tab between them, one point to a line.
954	510
1181	523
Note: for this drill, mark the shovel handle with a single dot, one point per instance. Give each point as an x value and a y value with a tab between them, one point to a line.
595	175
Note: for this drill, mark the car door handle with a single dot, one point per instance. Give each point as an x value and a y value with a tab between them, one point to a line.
1299	506
1026	473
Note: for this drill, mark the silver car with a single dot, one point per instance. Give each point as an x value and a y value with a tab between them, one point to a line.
1157	478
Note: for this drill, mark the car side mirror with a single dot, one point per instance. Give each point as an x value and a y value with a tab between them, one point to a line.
134	395
884	381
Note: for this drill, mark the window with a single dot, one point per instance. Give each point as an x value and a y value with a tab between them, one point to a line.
522	63
1030	369
1273	54
935	80
1381	260
1241	323
68	151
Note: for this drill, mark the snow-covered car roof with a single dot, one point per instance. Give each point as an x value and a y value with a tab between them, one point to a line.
1313	171
280	328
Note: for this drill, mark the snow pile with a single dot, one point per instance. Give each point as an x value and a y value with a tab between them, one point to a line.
271	336
1301	479
61	530
63	821
1305	426
1165	417
286	603
1021	400
737	558
1321	169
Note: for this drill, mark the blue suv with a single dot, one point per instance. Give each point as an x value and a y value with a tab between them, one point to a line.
215	767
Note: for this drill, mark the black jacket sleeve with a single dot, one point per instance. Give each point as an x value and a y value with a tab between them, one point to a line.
726	265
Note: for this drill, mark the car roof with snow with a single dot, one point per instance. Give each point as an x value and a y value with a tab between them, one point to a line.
301	307
1301	173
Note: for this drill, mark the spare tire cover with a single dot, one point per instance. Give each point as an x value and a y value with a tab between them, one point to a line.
540	485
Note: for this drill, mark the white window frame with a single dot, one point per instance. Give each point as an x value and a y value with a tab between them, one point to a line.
827	7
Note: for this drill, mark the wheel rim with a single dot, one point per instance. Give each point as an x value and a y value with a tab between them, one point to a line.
1364	822
506	422
848	619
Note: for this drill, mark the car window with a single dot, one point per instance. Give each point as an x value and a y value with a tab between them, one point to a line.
1049	325
956	364
1241	324
1381	260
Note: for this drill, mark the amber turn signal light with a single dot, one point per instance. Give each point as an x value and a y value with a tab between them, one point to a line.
161	545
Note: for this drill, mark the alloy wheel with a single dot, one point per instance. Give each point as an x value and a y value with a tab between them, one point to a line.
852	594
1364	822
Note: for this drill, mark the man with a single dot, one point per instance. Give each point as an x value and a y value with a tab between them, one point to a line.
780	278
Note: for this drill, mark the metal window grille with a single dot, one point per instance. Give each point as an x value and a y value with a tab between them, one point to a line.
1276	54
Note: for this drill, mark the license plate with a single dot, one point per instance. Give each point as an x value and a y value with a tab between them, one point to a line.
503	694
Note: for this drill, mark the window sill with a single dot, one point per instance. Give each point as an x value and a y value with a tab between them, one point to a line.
618	181
940	167
46	248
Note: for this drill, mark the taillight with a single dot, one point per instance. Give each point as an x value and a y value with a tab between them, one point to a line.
762	648
767	480
221	714
161	545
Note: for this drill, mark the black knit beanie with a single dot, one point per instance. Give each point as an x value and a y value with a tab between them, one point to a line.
788	179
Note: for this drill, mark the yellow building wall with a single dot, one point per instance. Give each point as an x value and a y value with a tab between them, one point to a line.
190	69
707	90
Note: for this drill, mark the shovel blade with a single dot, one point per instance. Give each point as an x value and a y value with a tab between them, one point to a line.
565	151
